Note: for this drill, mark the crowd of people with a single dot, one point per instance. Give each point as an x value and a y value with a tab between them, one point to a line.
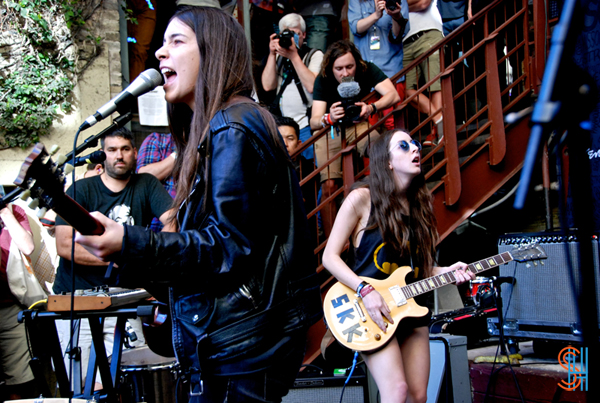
188	211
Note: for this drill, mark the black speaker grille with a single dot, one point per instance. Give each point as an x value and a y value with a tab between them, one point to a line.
543	292
352	394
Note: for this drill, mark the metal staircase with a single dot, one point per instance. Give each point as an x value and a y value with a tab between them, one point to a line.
490	66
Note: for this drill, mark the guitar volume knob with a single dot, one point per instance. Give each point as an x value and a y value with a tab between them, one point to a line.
34	203
25	195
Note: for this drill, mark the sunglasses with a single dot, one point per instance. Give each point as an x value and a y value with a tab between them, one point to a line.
405	145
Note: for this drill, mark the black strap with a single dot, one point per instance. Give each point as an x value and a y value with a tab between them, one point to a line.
293	75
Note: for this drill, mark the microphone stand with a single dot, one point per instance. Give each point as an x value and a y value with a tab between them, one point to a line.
92	141
567	104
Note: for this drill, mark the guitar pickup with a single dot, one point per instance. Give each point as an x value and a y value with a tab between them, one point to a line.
398	295
359	311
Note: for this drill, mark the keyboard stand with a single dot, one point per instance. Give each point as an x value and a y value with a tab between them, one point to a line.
98	359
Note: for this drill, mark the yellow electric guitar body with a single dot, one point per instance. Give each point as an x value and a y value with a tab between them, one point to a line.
350	323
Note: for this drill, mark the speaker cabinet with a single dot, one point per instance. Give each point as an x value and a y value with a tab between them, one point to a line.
326	389
541	303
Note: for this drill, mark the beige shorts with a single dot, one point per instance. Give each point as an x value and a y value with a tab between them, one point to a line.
14	354
429	67
326	147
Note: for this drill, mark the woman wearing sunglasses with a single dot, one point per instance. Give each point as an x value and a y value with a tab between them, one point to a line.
389	220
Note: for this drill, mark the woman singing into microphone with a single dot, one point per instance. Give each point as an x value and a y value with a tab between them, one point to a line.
242	286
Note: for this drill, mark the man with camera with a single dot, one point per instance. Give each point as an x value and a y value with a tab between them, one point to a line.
291	69
344	80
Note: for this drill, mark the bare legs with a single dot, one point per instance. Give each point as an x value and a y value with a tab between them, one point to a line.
402	371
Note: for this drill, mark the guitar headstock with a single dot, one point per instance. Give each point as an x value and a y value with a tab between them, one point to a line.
528	252
42	178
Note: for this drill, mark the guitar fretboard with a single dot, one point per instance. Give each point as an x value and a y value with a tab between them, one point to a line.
431	283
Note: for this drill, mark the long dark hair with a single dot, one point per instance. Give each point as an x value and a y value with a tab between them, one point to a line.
387	209
225	73
337	50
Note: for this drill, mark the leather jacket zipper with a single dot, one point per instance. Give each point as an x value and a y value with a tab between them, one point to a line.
245	291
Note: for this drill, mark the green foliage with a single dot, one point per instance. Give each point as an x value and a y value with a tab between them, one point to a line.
32	97
73	14
40	84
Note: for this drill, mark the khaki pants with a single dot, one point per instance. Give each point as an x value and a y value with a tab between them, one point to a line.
327	147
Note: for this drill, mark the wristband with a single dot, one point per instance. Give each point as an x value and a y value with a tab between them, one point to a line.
374	109
324	120
360	287
366	290
329	119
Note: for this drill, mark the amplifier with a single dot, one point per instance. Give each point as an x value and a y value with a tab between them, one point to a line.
542	302
316	388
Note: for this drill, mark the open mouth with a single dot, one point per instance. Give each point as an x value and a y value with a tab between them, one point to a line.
416	160
167	74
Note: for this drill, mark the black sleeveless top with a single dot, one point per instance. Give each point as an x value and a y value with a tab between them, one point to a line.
375	259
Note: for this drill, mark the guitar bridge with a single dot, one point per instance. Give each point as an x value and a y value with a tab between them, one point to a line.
398	295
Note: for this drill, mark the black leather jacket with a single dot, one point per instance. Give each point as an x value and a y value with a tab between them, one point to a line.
243	288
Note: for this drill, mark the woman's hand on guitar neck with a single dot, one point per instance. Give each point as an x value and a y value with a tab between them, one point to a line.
377	309
106	245
461	273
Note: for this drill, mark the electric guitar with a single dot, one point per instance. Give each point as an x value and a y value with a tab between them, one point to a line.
43	180
350	324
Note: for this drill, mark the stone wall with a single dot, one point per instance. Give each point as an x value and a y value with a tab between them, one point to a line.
98	83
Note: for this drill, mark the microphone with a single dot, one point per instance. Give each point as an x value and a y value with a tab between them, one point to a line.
93	158
145	82
349	90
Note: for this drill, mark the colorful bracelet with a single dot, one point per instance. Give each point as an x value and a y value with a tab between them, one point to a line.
329	119
366	290
360	287
324	120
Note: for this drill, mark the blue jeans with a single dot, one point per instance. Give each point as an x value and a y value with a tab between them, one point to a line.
266	386
306	134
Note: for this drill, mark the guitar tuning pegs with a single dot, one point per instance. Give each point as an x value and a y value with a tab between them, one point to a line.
54	149
535	263
41	212
25	195
67	169
34	203
527	265
542	262
60	159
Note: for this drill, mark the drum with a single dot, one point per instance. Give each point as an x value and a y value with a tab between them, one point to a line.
478	287
147	377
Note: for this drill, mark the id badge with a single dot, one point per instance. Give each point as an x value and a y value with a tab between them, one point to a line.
375	43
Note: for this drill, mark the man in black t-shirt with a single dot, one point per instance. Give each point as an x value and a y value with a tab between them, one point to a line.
118	193
125	197
343	62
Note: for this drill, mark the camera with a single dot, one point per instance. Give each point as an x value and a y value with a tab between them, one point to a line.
351	112
285	38
391	4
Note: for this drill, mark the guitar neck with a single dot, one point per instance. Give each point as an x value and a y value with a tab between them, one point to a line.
77	217
431	283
